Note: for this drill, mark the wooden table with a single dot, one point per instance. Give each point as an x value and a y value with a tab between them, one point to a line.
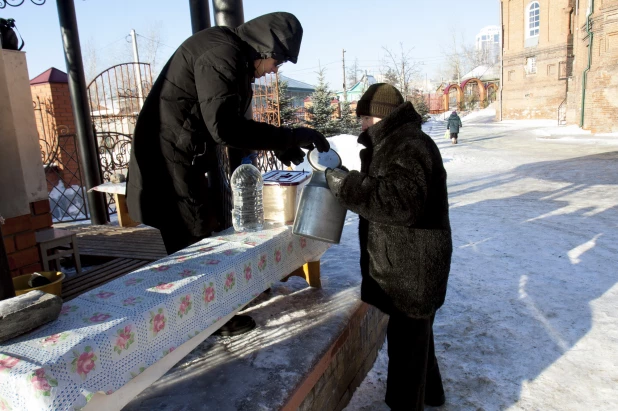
118	190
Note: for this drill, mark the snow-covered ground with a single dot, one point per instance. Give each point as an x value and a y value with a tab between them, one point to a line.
530	319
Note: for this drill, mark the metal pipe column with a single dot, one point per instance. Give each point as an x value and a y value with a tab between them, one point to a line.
200	15
229	13
81	111
6	280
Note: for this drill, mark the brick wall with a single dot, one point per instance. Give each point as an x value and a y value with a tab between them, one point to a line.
601	104
334	379
19	238
527	95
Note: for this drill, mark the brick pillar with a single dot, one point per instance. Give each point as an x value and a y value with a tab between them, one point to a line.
55	118
24	201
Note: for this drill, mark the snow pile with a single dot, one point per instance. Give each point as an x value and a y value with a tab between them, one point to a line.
346	146
67	203
482	116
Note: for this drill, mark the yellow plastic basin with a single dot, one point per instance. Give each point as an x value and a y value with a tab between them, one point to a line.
20	283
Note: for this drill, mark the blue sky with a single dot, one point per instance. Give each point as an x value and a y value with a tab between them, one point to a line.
362	27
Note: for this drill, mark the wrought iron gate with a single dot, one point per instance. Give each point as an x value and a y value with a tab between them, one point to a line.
265	106
67	195
116	96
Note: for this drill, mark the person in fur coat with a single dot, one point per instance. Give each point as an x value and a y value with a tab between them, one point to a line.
401	198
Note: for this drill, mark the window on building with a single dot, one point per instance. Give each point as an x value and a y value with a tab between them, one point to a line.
562	70
531	65
534	15
511	75
551	70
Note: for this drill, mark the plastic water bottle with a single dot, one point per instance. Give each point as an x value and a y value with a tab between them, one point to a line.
247	185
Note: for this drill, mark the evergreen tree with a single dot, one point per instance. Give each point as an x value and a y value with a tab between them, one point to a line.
348	123
420	105
286	106
321	111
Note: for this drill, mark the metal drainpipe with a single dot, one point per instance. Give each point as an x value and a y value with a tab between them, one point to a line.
585	75
501	57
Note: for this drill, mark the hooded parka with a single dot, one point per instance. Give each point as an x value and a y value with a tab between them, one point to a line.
198	102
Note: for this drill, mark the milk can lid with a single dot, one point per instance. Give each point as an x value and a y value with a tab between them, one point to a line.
322	161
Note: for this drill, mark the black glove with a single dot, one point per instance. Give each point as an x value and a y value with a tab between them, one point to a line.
291	155
306	138
334	179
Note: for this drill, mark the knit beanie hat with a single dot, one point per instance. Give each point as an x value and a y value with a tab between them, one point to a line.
379	100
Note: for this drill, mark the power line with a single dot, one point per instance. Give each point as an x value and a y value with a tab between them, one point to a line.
155	41
314	67
113	42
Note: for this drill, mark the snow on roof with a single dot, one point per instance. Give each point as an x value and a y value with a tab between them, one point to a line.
483	73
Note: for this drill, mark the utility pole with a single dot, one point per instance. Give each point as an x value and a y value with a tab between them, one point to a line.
138	72
345	90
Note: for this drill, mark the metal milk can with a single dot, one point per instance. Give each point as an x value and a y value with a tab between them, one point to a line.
319	215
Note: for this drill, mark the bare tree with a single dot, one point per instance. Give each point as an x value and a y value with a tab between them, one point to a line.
453	69
352	73
91	58
475	57
461	57
400	66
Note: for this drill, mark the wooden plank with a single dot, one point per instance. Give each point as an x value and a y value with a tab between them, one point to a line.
101	269
104	244
122	254
121	242
99	276
119	266
124	219
81	290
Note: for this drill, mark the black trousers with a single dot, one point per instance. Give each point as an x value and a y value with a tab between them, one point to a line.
413	372
177	239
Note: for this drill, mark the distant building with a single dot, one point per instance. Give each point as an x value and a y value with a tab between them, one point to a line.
488	43
559	56
355	92
297	90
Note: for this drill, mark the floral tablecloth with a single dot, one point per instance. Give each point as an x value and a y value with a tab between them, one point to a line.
108	336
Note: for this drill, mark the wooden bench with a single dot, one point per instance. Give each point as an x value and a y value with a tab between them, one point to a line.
104	273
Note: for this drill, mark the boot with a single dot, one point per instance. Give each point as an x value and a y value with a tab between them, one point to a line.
238	324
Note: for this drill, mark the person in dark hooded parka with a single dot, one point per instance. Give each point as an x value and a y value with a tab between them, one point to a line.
401	198
198	102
